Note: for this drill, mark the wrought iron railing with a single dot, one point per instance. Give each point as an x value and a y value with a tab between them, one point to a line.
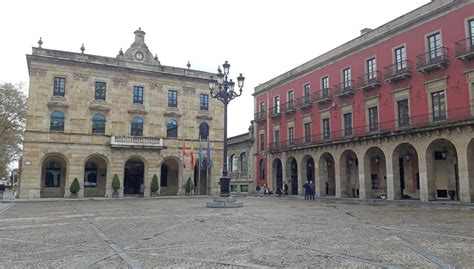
305	101
386	127
274	112
289	107
465	47
260	116
434	57
138	141
344	88
397	71
323	95
370	80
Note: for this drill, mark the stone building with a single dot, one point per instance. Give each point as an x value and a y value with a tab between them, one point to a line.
240	165
389	114
90	117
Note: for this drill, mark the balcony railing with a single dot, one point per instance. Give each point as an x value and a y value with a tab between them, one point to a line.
323	96
305	102
370	80
289	107
136	142
465	49
407	123
260	116
344	88
432	60
275	112
398	71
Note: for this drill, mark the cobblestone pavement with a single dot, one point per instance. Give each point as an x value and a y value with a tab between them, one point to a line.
266	232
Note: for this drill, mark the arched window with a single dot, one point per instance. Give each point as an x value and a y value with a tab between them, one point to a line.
52	175
235	163
57	121
244	166
98	124
90	175
172	129
262	169
203	130
137	126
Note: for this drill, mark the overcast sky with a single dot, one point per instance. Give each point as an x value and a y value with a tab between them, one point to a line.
261	39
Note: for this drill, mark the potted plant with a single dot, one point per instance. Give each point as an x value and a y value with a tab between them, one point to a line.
154	185
115	186
75	187
188	186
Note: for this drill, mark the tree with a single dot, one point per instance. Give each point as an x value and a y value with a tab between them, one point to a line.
75	187
188	186
154	184
13	107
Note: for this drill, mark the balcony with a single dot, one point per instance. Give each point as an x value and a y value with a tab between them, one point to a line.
398	71
289	107
322	96
305	102
370	81
433	60
275	112
274	146
260	116
344	88
465	49
136	142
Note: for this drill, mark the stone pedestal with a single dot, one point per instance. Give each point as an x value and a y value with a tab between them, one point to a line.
225	202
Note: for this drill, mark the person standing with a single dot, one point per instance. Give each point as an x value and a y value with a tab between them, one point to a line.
306	190
285	189
311	190
257	190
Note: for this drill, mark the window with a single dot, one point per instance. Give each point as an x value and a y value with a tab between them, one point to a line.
347	124
471	33
291	135
326	129
137	94
137	127
371	69
204	102
400	58
234	163
52	176
244	188
276	139
307	132
403	113
100	89
439	106
172	98
90	175
346	78
434	46
277	104
373	119
262	169
172	129
57	121
291	99
262	107
98	124
307	93
325	87
203	130
59	88
244	165
262	142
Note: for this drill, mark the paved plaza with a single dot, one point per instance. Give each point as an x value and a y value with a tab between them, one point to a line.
266	232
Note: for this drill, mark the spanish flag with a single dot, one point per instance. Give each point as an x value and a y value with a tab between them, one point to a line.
191	154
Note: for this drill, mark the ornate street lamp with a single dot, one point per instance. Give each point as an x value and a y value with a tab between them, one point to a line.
224	90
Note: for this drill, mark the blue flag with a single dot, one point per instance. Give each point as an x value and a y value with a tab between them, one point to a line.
200	154
208	154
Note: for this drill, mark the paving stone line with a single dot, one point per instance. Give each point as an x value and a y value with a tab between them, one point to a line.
424	232
5	208
129	260
93	262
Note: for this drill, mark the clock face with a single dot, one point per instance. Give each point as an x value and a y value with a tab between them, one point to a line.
139	56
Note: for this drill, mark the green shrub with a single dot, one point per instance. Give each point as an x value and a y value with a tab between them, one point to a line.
188	186
75	187
115	182
154	184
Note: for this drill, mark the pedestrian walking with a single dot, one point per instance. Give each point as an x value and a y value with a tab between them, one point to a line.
257	190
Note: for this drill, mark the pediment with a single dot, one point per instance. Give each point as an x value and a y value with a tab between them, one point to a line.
138	51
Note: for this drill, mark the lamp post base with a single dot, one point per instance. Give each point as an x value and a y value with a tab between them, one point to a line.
225	202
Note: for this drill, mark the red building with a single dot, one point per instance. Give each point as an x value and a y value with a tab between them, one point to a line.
388	114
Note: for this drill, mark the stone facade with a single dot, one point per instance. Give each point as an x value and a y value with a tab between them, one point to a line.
240	164
137	88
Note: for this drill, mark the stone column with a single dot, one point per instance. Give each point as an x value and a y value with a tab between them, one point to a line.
427	184
465	184
393	177
338	179
364	178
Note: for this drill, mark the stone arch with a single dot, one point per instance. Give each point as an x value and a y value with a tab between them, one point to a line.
170	179
327	175
135	171
277	168
292	175
375	173
307	169
406	175
349	175
95	176
442	170
54	172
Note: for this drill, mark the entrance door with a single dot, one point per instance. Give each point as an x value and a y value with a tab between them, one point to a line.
294	178
134	173
279	176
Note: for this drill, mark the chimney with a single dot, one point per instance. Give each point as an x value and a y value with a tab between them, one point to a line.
365	31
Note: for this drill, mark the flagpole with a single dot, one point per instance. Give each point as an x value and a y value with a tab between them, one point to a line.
200	162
